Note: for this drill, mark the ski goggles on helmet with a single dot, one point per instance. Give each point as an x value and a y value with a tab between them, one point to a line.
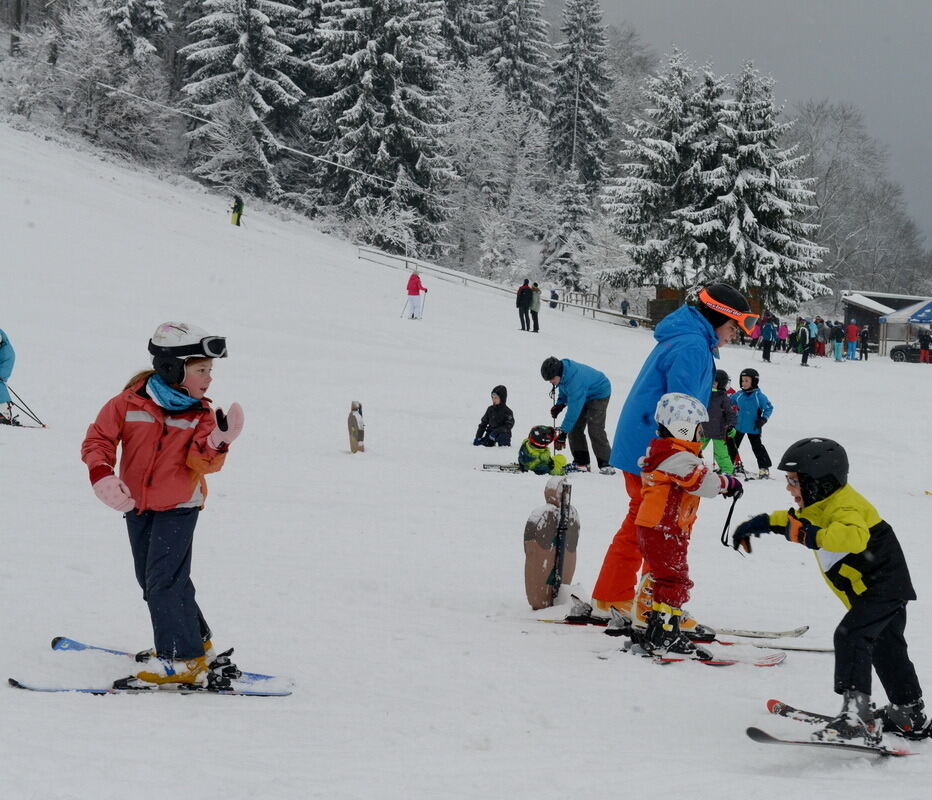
746	320
208	347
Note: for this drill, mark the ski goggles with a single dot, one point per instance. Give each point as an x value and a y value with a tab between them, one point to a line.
746	320
208	347
792	482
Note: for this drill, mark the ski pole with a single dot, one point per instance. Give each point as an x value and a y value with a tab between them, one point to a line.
23	407
423	304
405	308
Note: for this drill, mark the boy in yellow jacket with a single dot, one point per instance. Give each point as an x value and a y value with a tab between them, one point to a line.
863	564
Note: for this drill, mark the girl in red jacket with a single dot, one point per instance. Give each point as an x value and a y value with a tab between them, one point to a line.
415	304
169	439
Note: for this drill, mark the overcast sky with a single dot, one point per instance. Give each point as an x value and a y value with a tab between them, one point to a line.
875	54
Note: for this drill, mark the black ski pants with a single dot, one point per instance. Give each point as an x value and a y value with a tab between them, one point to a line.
872	634
535	321
161	542
525	317
592	417
760	452
768	345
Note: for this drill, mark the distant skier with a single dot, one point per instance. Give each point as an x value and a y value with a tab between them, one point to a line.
925	345
237	209
497	422
170	439
553	298
415	287
534	308
523	298
861	559
721	423
7	359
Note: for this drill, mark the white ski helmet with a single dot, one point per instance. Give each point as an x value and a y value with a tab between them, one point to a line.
173	343
680	414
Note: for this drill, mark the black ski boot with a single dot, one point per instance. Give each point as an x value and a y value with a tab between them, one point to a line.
908	720
663	636
855	723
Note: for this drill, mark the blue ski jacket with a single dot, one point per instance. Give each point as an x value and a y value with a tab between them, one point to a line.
7	359
751	407
579	384
681	361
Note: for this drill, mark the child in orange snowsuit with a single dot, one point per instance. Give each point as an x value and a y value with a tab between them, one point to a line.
674	479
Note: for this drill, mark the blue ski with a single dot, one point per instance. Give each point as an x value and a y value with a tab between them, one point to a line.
64	643
110	690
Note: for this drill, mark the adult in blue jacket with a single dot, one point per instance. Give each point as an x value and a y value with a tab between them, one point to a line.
7	359
584	392
681	361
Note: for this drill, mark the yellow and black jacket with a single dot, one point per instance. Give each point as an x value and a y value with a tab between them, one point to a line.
858	552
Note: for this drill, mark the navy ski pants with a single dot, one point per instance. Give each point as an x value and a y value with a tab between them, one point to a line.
161	543
872	634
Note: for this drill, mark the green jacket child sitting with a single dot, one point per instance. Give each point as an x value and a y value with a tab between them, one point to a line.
534	455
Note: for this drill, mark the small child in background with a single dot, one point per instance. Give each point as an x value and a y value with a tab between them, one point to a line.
497	422
534	455
863	564
722	418
754	409
674	480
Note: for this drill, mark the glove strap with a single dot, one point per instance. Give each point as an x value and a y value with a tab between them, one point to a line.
726	533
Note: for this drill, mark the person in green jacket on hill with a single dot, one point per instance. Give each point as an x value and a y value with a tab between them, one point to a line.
863	564
535	306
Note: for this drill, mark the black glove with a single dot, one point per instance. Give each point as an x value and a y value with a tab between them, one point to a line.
761	420
555	410
754	526
801	531
733	487
560	442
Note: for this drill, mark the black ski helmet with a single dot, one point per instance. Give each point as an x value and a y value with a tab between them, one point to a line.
551	368
721	378
541	435
753	374
720	302
822	466
173	343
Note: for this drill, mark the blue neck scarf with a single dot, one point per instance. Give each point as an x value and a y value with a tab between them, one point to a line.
168	398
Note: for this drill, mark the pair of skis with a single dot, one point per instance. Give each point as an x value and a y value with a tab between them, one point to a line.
785	710
250	684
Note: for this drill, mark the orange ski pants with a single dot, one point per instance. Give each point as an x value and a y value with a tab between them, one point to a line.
618	577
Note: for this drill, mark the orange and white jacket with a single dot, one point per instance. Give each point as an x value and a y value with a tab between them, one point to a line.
164	454
673	480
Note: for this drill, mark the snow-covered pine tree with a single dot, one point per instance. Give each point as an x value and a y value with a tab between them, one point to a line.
701	177
579	123
641	203
238	84
136	23
462	29
496	245
516	38
300	34
762	204
380	116
565	245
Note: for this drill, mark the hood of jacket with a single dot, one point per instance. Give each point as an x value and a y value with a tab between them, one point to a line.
502	393
686	321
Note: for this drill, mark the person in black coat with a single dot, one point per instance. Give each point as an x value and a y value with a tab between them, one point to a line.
497	422
523	302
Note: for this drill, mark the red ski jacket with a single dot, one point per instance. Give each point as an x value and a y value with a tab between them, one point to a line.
415	286
164	455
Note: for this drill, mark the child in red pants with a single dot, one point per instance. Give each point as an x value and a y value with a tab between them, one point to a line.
674	478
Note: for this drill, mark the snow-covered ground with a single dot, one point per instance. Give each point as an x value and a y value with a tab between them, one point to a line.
389	584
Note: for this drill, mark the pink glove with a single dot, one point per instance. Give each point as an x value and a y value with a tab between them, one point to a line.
229	426
112	491
732	487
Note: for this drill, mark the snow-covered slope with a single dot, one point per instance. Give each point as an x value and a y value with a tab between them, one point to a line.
389	584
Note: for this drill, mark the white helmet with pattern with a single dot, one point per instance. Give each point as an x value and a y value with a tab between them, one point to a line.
173	343
680	414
